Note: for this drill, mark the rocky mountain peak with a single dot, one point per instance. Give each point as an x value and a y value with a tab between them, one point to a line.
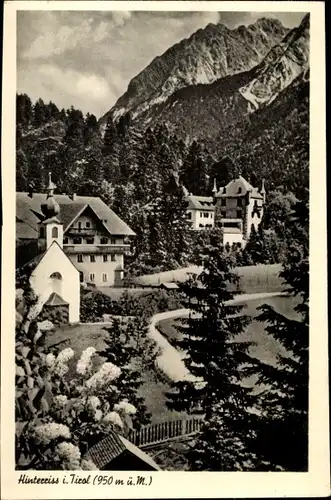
207	55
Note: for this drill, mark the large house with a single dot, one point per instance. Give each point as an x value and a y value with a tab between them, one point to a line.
91	235
200	211
235	208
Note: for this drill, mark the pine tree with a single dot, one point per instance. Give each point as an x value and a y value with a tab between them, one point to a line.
215	358
74	136
222	171
54	112
195	175
24	110
283	429
176	225
39	113
254	250
22	169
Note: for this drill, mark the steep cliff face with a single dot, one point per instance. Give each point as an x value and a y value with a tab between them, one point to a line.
208	55
282	65
205	111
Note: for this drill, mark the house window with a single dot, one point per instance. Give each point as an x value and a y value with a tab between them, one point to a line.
104	277
239	245
79	258
77	241
81	276
92	258
92	277
200	214
200	225
113	257
90	241
42	232
239	190
113	241
79	225
206	215
239	213
189	215
55	232
105	258
88	225
211	215
65	240
103	241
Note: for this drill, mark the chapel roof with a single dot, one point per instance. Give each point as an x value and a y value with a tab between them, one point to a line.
55	300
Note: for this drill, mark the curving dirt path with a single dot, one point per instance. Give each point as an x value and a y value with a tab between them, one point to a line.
170	361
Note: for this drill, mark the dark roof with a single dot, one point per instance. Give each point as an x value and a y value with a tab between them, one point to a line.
32	264
28	210
25	231
238	187
55	300
109	448
170	285
200	202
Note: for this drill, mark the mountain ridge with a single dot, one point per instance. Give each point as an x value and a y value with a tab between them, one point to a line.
202	111
207	55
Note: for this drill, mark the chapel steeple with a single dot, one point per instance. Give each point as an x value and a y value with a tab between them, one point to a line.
50	207
51	229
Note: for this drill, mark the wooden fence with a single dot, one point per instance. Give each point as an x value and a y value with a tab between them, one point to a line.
153	434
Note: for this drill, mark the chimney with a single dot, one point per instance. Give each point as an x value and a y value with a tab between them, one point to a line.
214	192
74	196
262	190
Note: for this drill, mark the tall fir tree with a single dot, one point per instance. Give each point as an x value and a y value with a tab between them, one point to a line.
214	357
283	429
195	170
39	113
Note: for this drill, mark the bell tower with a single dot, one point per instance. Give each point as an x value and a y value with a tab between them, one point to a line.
50	228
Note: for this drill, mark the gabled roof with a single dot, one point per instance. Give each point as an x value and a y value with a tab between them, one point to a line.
200	202
238	187
28	210
25	231
111	447
55	300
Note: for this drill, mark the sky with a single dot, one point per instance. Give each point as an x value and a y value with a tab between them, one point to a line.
87	58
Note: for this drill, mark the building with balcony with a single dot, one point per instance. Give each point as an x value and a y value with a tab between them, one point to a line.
235	208
200	211
238	207
90	234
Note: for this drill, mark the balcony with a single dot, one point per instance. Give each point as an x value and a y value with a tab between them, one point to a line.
96	249
81	231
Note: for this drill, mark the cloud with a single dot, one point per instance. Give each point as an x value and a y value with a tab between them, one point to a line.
71	82
83	31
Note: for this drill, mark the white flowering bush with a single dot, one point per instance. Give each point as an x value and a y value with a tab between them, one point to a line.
59	416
